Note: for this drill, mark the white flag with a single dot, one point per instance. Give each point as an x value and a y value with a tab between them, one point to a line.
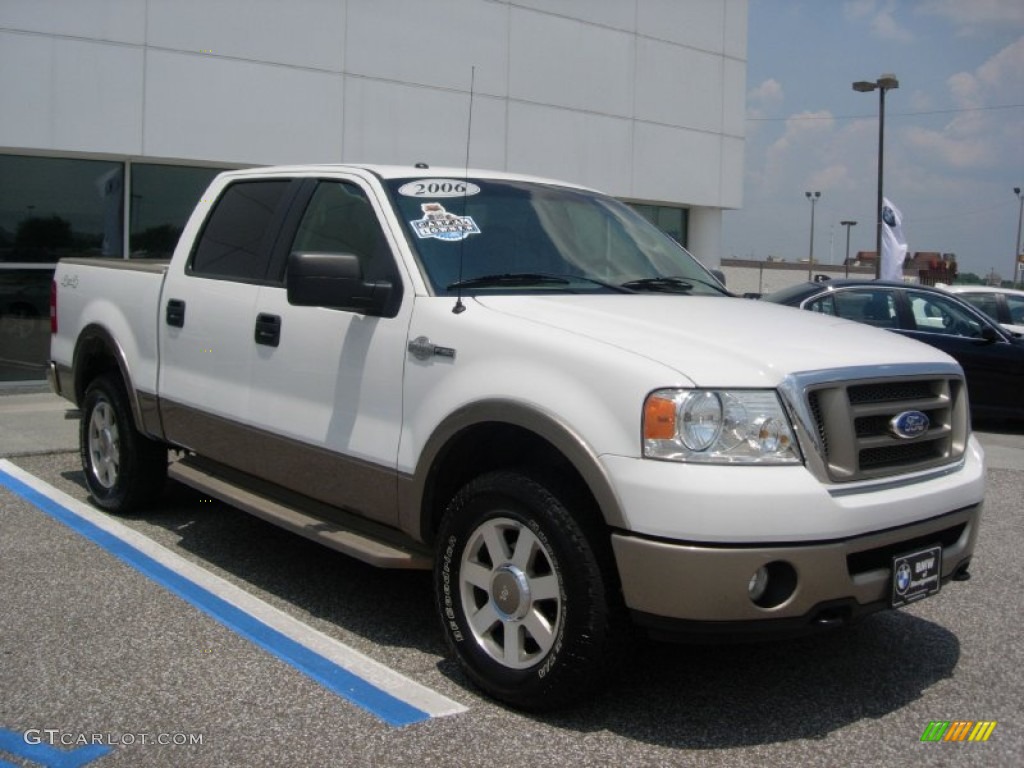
894	244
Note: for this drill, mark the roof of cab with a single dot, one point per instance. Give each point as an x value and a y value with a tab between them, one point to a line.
388	172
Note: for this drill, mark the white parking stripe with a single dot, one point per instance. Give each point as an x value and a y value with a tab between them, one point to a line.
378	675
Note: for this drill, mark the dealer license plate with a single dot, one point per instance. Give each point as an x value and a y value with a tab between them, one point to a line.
916	576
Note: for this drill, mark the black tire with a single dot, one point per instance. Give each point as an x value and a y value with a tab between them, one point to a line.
124	469
526	594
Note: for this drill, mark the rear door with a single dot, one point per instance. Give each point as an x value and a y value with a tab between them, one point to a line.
208	315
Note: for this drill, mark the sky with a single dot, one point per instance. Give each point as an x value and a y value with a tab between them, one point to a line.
954	129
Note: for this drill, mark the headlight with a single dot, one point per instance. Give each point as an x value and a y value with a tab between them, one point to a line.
735	426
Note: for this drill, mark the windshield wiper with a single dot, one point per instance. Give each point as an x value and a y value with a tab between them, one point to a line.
660	285
509	279
524	279
670	285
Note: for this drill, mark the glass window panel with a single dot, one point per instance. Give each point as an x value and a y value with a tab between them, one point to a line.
162	199
56	207
24	322
986	302
877	308
938	314
234	243
1016	306
669	219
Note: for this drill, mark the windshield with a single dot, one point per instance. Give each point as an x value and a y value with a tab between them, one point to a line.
486	236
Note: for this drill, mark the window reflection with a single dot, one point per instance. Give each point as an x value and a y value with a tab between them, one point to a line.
162	199
669	219
54	207
24	322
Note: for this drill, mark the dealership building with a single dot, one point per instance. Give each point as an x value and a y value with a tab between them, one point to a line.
115	114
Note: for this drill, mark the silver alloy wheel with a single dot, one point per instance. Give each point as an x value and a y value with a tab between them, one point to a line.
511	593
104	445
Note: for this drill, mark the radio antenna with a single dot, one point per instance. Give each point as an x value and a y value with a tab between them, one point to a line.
459	307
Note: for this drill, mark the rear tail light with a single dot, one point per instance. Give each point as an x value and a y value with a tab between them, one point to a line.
53	307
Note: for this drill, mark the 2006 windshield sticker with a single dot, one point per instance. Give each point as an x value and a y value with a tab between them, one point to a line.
442	225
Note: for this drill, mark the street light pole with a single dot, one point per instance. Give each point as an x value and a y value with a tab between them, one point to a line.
847	224
813	197
1016	245
882	84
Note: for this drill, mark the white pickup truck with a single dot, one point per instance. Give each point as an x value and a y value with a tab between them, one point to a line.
525	387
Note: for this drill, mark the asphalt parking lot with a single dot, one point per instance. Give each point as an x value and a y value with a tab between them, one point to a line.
101	664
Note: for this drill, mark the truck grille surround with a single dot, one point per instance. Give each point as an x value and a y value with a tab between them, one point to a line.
843	420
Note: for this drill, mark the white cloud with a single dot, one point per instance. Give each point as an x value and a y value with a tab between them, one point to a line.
881	17
767	94
976	138
885	27
969	16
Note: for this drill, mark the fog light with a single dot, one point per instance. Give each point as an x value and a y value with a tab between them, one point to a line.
758	584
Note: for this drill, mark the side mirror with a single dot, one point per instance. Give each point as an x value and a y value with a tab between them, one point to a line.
719	276
335	281
988	333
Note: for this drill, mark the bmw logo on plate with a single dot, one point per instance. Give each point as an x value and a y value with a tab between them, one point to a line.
909	424
902	578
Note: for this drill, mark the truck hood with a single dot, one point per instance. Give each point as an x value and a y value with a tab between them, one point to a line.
719	341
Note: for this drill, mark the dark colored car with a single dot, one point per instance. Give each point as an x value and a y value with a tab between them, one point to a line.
991	356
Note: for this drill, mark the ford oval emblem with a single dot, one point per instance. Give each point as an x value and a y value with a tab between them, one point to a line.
909	424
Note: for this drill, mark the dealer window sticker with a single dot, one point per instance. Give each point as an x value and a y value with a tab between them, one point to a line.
438	188
439	224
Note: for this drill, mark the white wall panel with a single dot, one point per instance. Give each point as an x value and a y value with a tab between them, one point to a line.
733	152
734	95
116	20
223	110
394	123
675	164
736	29
72	95
642	98
436	44
610	13
678	86
560	61
310	33
588	149
695	23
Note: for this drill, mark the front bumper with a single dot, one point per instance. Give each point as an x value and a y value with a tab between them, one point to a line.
684	588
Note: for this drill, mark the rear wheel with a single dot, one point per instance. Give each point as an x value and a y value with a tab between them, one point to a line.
526	599
123	468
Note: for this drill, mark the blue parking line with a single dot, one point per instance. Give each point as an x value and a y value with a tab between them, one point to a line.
14	743
383	705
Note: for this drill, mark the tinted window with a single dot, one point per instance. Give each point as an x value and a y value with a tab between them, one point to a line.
500	228
874	307
162	199
51	208
339	219
669	219
1015	304
237	238
941	314
986	302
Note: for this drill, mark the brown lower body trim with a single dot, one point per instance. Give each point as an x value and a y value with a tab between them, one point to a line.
365	489
709	583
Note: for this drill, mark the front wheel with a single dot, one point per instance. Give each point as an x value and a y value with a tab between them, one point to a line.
526	598
123	468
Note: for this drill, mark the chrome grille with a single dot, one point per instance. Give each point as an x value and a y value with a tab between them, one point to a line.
847	422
